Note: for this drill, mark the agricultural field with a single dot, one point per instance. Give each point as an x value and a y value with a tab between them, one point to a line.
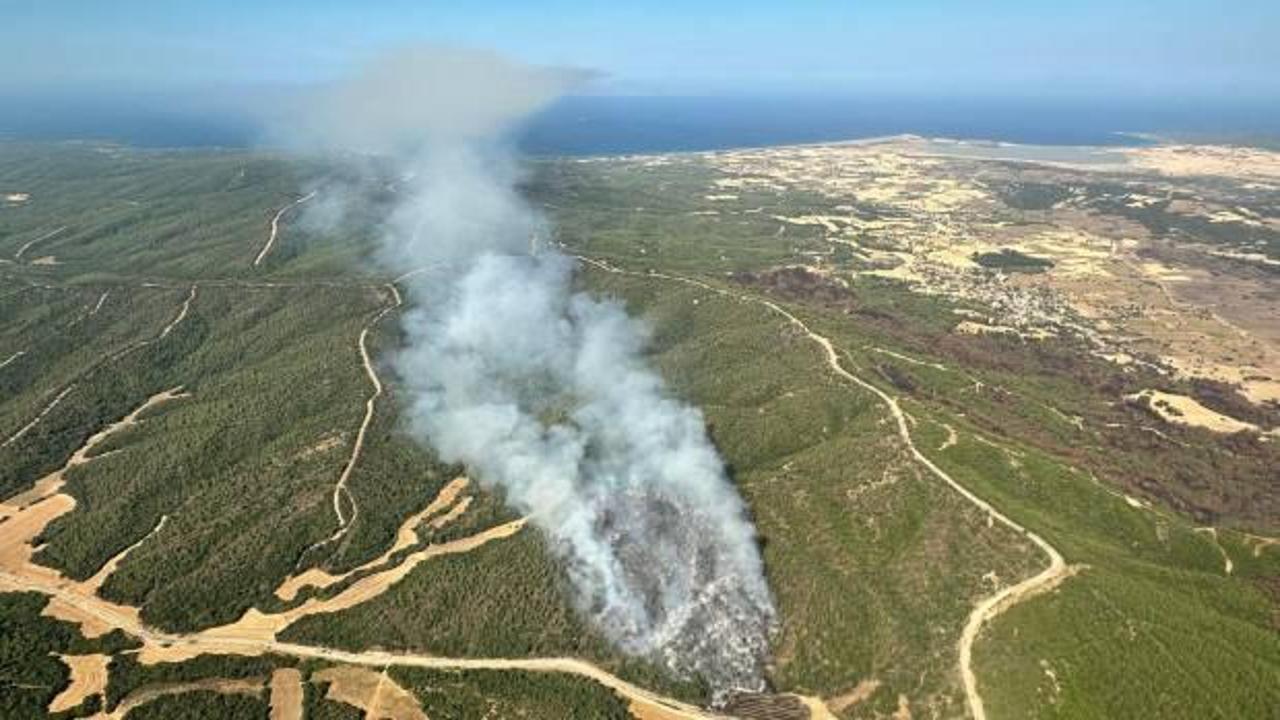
1007	423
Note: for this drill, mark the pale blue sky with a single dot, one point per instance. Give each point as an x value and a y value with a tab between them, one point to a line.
977	47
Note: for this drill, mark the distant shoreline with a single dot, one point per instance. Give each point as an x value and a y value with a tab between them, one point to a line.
629	125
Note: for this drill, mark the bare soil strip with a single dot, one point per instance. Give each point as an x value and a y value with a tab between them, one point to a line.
286	694
1259	542
88	678
275	227
251	638
375	693
861	693
406	537
254	634
127	620
818	709
256	629
92	311
29	512
42	238
1057	569
951	440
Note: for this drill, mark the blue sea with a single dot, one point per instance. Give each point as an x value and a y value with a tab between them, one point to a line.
628	124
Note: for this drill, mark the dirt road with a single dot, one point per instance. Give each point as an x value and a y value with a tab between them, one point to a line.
98	306
340	489
989	607
22	250
254	634
1228	566
250	637
12	357
182	315
47	409
175	647
275	227
164	332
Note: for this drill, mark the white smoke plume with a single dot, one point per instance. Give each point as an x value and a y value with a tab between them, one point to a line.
542	390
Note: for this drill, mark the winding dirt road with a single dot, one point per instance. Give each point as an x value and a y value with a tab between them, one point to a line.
255	633
340	488
252	637
168	647
182	315
98	306
1228	566
11	358
275	227
1057	569
27	514
22	250
164	332
47	409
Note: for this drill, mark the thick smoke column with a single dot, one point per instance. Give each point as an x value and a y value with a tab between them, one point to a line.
542	390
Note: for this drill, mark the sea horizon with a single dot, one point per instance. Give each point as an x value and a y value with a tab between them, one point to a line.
622	125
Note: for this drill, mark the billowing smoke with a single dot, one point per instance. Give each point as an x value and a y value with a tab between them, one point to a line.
542	390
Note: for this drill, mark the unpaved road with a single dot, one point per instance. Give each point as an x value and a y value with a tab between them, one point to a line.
95	583
187	646
164	332
275	227
989	607
406	537
47	409
253	642
340	489
182	315
254	634
1003	599
101	299
1227	566
12	357
18	255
